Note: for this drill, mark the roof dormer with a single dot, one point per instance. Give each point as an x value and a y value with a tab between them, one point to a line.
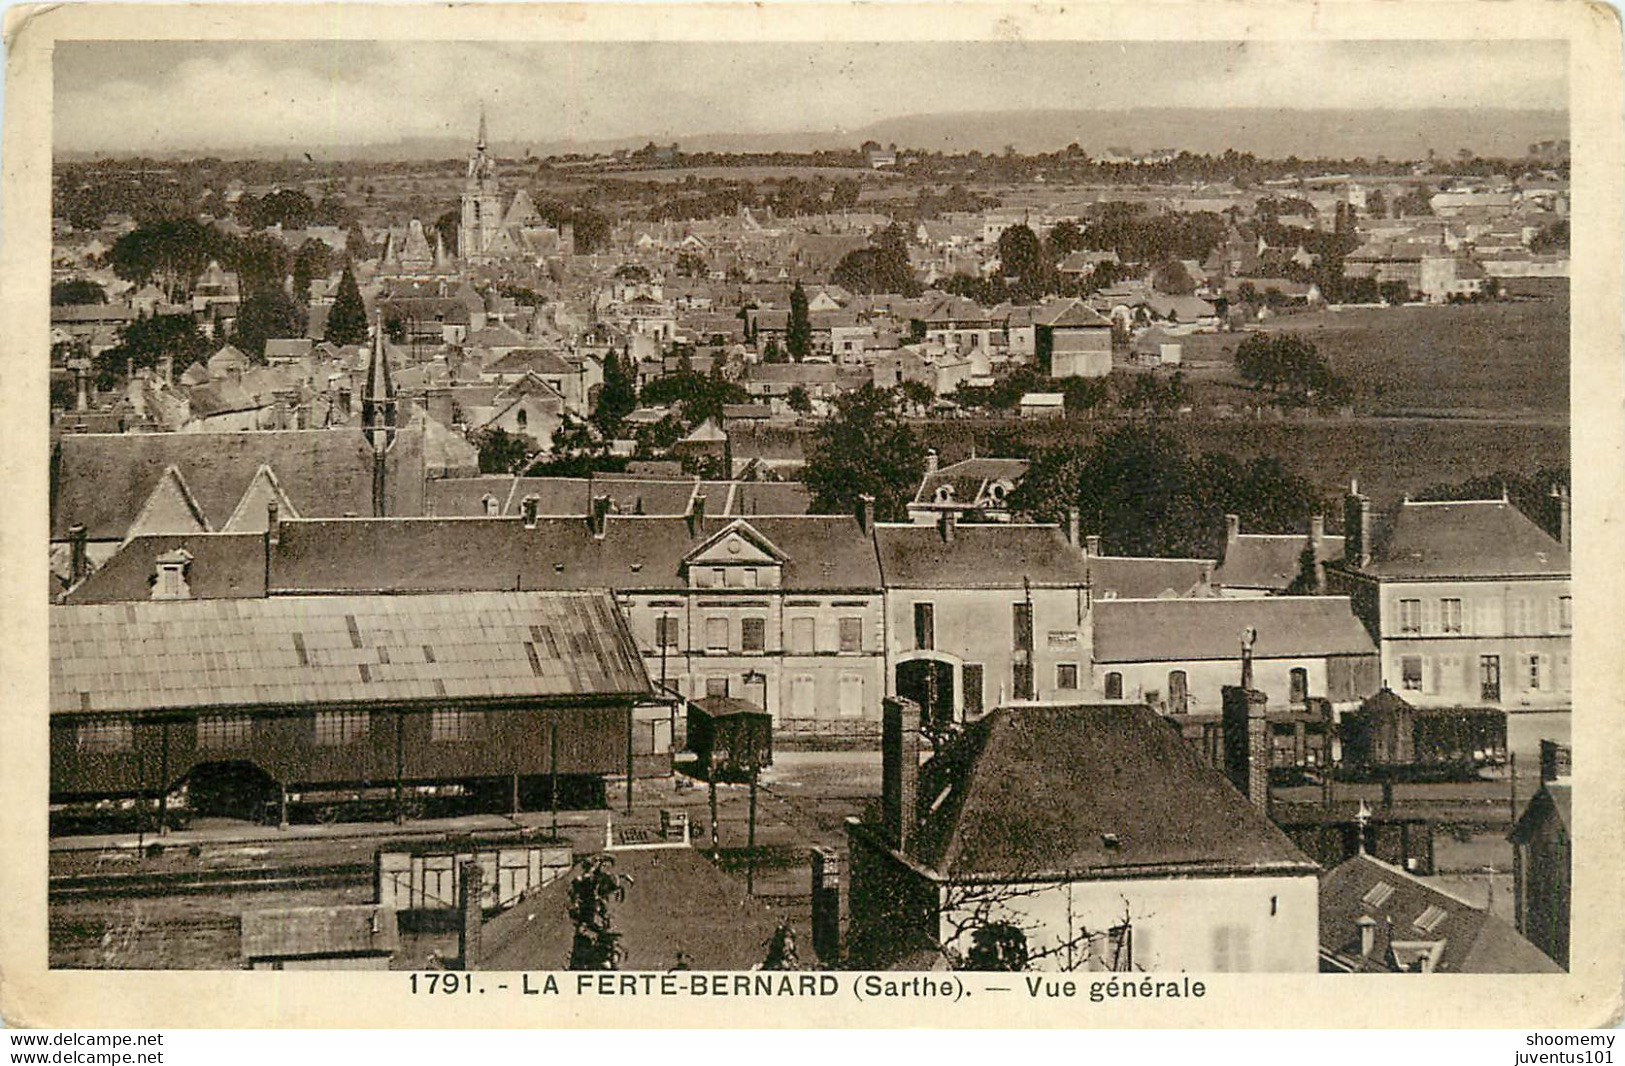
737	556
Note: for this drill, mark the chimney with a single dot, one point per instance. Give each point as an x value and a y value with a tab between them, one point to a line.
1074	521
1565	518
946	525
866	513
273	523
1245	732
1368	934
81	396
696	516
1232	528
1091	544
1356	527
932	460
597	518
166	369
1317	544
471	914
1556	762
529	508
899	770
78	558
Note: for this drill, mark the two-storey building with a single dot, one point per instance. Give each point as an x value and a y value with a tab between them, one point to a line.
1469	601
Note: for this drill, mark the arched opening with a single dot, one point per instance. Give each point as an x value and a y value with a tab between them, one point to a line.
1178	693
1299	685
231	789
1114	686
929	683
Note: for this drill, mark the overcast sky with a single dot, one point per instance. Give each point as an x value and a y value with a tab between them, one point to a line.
200	96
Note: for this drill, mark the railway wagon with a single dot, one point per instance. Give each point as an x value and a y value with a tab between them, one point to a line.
1386	736
342	691
1300	738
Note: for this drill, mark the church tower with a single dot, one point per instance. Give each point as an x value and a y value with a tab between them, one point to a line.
378	415
482	201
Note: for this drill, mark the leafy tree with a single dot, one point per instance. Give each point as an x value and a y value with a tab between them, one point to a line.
596	945
619	394
289	208
502	452
798	400
917	395
169	254
148	338
1172	277
347	318
446	227
309	262
1024	262
881	267
261	262
864	448
998	947
1064	238
1290	368
263	315
773	353
798	335
690	265
77	291
1551	238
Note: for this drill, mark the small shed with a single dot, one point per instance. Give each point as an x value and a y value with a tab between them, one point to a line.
732	738
349	937
1388	736
1043	405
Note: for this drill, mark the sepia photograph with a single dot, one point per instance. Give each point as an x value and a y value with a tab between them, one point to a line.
790	507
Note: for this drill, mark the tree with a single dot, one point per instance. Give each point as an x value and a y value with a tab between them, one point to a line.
264	315
773	353
170	254
77	291
596	945
881	267
502	452
1023	261
618	396
865	448
147	339
798	400
1291	369
798	335
917	395
1172	277
347	318
309	262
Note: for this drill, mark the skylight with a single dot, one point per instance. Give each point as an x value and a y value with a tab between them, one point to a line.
1378	895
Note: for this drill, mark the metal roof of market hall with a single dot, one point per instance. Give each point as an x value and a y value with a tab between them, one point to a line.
302	650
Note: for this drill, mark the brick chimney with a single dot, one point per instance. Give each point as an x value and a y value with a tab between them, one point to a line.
1074	524
1091	544
1246	733
866	513
1565	518
1356	527
932	461
78	556
946	526
471	915
1317	544
899	770
597	517
1232	528
696	517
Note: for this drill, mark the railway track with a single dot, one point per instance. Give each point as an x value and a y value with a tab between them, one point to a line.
185	882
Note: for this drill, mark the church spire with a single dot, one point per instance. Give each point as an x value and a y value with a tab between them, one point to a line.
378	417
479	145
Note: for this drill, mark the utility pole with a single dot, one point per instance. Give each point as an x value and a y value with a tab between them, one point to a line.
553	776
750	864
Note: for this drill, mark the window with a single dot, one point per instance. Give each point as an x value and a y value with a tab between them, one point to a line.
1489	678
851	696
803	696
105	735
1232	949
1178	694
925	626
1299	685
753	634
716	634
749	578
1114	686
852	634
1450	616
1565	612
716	686
1066	676
521	418
1021	626
449	726
972	684
803	633
224	731
666	632
719	577
1410	673
1410	616
489	502
1533	663
334	728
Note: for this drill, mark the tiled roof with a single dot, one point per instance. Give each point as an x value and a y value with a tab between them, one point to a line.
676	900
1037	792
1269	561
1128	578
103	480
1471	939
771	498
970	478
304	932
979	556
1183	630
301	650
224	566
1473	538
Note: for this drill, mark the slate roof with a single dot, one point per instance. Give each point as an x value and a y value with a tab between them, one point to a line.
104	480
1131	578
1473	940
770	498
1472	538
224	566
1034	792
1269	561
1073	315
635	552
676	901
303	650
980	556
1183	630
970	479
529	360
316	932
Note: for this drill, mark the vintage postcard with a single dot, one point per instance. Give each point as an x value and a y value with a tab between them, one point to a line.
944	515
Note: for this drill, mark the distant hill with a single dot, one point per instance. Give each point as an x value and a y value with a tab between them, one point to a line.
1275	134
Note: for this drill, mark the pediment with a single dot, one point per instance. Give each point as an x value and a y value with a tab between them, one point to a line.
737	544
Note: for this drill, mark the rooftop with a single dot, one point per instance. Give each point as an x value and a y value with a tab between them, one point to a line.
978	556
1182	630
1464	538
